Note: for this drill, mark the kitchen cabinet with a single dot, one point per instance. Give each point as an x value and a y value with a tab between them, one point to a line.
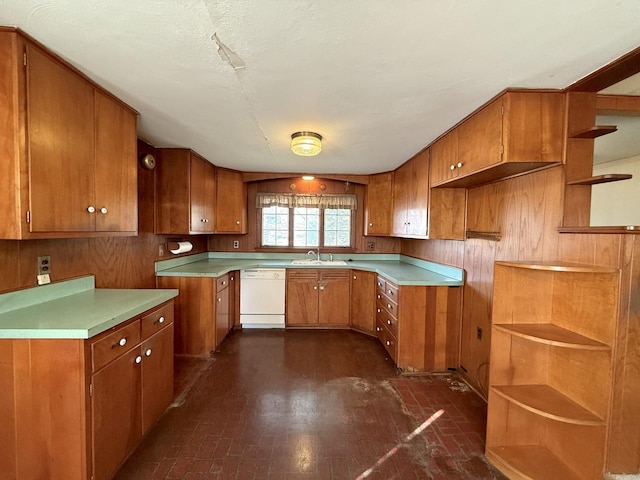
552	342
317	298
517	132
69	149
363	286
82	405
231	202
185	194
379	205
223	303
411	197
419	326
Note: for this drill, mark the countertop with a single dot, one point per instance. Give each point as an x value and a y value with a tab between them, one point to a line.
73	309
402	271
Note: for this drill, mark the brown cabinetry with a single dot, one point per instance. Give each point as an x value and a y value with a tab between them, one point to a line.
379	205
517	132
186	192
363	286
418	325
231	202
222	307
317	297
69	149
83	405
553	336
411	197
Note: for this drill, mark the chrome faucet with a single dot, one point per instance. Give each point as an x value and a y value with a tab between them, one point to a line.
317	255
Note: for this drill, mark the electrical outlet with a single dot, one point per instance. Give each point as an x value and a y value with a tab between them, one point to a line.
236	244
371	246
44	265
161	250
479	333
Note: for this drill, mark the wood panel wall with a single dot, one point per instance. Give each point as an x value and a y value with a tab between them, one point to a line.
116	262
251	241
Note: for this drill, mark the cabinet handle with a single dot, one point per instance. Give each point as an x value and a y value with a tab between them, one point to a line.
389	306
104	210
371	224
160	320
224	282
232	279
379	284
355	278
91	209
379	310
219	299
315	287
460	164
379	296
388	343
148	352
322	287
122	342
237	222
388	322
138	359
390	292
378	329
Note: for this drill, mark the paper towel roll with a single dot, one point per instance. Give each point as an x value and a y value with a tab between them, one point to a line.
182	247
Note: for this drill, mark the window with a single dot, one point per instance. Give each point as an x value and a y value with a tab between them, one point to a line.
306	220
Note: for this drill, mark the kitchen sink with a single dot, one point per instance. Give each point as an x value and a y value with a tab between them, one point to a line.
308	261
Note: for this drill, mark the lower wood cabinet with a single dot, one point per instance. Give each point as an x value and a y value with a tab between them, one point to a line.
223	307
419	326
363	287
317	297
77	408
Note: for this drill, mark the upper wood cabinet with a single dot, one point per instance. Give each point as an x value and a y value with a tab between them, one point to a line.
68	148
379	205
231	202
517	132
411	197
186	192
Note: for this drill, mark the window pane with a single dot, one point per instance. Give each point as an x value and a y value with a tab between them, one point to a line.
306	227
275	226
337	227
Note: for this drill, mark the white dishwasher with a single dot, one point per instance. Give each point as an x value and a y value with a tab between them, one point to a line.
262	293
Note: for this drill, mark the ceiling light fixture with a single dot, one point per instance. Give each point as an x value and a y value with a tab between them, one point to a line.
306	144
308	178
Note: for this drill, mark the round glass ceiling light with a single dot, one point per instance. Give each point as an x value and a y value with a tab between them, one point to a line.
306	144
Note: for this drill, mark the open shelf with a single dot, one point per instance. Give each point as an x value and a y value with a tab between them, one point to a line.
595	131
551	335
547	401
609	177
530	461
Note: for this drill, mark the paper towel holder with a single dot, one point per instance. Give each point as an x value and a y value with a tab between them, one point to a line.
176	247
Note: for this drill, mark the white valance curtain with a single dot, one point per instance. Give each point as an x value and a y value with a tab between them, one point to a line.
308	200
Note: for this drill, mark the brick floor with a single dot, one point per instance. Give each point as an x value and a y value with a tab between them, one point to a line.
311	405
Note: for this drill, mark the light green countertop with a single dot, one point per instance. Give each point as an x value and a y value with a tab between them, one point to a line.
397	268
73	309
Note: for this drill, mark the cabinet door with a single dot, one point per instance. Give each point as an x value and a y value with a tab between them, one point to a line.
116	167
418	196
401	184
60	113
333	297
231	202
157	376
444	158
480	139
379	210
116	413
363	288
222	314
302	297
202	194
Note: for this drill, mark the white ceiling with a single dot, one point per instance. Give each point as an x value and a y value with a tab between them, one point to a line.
379	79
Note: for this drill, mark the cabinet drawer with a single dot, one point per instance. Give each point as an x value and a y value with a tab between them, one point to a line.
114	344
381	284
391	291
154	321
222	282
388	320
388	341
388	304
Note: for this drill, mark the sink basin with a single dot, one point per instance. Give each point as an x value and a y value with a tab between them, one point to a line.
308	261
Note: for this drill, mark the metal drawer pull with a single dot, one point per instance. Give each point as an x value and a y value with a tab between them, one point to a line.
389	305
91	209
224	282
388	343
378	329
354	277
452	167
460	164
219	300
388	322
160	320
148	352
138	359
315	287
390	292
379	296
103	210
379	310
122	342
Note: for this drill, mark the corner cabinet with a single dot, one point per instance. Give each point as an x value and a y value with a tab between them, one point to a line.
411	197
362	301
186	192
517	132
553	334
69	149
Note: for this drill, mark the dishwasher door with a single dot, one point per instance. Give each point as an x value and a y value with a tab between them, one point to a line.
262	293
